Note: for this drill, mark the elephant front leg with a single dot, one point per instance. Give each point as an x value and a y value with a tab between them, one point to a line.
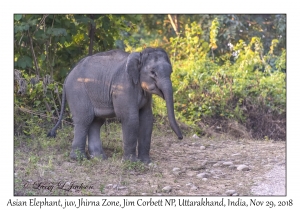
94	141
130	127
145	132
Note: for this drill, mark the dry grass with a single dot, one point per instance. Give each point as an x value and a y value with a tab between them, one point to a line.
40	160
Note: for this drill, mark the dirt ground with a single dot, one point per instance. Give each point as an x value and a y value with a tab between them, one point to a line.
192	166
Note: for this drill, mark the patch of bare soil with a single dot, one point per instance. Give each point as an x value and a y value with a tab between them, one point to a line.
192	166
273	183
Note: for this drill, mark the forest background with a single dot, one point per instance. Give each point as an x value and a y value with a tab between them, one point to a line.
229	71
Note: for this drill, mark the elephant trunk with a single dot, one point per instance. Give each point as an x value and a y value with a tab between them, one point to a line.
166	88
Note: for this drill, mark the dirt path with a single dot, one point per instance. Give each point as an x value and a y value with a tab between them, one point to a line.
274	183
193	166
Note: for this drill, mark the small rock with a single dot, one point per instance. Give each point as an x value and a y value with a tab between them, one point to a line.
212	172
204	163
202	147
194	187
144	194
195	136
115	186
243	168
176	173
202	175
167	189
122	188
204	179
176	169
235	194
216	165
230	192
219	163
236	154
109	186
16	174
190	173
228	163
189	184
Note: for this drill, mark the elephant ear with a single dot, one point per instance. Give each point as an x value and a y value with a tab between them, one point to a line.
132	66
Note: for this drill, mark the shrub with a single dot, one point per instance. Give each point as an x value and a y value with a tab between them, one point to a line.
38	98
244	85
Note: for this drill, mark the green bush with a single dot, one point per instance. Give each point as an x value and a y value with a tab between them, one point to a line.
35	99
227	87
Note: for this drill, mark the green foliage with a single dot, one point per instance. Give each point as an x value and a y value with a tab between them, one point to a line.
231	28
133	166
213	34
24	61
36	93
57	42
188	46
204	88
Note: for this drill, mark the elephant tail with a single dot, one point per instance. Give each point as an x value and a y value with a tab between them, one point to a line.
52	133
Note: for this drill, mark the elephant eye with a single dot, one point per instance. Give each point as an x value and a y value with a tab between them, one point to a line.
153	73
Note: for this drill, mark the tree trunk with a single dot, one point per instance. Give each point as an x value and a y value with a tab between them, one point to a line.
92	34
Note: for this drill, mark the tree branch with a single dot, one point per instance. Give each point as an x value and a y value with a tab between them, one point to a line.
37	69
174	24
41	22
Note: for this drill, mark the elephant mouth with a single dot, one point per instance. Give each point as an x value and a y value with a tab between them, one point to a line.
161	94
158	92
153	89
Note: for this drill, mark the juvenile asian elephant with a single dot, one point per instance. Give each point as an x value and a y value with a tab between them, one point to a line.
116	83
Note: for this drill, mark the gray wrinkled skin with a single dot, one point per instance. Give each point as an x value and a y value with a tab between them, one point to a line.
118	84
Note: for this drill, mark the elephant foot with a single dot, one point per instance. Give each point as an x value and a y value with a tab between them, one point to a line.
99	156
131	158
77	155
146	160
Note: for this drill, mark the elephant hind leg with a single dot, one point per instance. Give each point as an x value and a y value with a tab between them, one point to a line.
94	141
81	129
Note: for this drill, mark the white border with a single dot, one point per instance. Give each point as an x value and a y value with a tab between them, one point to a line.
149	7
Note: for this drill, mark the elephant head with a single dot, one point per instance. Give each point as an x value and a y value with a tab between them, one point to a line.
155	69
